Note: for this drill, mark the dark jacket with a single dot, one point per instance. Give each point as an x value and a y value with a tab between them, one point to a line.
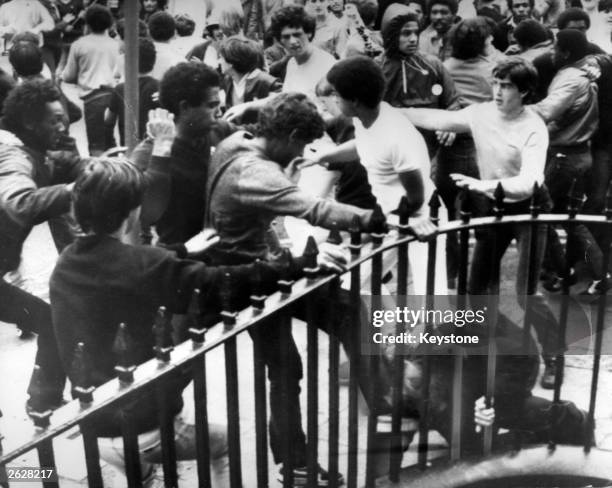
183	214
246	191
100	282
416	89
31	192
259	84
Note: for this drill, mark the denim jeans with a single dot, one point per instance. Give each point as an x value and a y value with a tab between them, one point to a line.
149	443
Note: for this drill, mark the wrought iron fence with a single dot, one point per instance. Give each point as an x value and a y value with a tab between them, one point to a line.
132	380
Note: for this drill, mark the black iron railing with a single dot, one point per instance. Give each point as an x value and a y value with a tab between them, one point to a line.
132	380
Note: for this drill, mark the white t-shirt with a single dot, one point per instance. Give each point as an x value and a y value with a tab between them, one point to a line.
166	58
303	78
513	151
392	145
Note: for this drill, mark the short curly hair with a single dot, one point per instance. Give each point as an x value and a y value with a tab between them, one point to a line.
187	82
452	5
292	16
185	25
468	38
161	26
23	104
105	192
358	78
530	32
290	113
98	18
392	31
573	14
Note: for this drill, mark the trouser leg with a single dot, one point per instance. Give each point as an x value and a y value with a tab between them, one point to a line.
32	314
281	356
99	137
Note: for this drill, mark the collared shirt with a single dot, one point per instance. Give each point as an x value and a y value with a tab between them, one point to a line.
240	86
430	42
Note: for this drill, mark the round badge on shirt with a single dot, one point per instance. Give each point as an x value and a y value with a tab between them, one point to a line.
436	89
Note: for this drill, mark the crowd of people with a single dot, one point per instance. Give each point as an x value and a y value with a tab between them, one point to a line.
263	121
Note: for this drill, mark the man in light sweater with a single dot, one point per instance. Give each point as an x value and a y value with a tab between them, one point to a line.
91	63
511	142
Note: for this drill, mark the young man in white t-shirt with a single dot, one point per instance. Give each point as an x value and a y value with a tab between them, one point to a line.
393	152
511	143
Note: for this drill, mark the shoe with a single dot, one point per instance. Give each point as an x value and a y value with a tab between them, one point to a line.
550	370
344	376
34	406
597	287
553	283
300	477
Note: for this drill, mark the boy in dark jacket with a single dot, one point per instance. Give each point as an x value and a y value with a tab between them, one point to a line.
101	281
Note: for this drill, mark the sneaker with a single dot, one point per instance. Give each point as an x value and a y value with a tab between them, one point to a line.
300	477
550	370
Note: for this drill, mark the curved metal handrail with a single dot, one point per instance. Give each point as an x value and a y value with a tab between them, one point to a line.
112	392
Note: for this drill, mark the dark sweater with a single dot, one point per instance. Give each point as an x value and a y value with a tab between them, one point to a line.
183	216
99	282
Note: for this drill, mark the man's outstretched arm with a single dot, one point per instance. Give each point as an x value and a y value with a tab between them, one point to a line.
434	119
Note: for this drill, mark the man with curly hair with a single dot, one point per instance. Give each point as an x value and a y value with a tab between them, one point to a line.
249	185
294	29
32	192
190	91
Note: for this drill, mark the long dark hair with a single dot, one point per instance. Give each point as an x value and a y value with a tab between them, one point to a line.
391	34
